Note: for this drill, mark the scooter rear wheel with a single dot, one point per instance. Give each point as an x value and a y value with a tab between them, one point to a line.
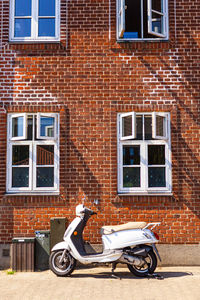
149	266
64	268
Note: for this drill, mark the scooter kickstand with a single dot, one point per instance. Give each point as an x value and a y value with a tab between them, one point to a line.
112	270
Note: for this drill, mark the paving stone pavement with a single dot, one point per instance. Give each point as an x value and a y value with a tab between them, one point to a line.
180	283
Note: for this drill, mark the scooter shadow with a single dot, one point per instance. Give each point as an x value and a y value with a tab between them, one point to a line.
128	275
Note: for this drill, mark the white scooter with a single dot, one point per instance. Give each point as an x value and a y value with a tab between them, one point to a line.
132	243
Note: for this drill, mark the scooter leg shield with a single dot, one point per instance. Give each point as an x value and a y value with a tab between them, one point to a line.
60	246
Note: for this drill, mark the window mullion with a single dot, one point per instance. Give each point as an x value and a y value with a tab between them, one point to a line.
142	19
33	166
34	18
142	166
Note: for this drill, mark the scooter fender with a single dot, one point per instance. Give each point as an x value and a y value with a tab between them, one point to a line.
61	246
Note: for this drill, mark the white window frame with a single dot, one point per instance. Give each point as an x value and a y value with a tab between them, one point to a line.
144	189
132	136
34	24
120	24
22	137
10	166
121	17
154	126
162	14
32	188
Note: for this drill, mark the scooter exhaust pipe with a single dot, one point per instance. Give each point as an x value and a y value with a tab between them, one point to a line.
128	259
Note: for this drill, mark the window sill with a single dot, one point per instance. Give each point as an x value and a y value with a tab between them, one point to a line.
127	40
34	42
145	194
32	194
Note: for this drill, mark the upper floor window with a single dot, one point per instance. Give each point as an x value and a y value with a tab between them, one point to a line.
142	19
34	20
33	153
144	153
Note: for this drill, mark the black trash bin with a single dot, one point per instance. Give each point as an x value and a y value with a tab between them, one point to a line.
42	249
22	254
58	227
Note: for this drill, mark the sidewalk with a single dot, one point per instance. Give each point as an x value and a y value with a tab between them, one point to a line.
180	283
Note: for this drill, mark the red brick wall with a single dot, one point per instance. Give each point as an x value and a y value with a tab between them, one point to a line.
89	77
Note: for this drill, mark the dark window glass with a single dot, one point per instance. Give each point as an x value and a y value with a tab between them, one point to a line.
148	127
131	155
45	154
131	177
22	8
20	177
156	154
139	132
127	126
46	27
160	127
157	23
47	8
157	5
156	177
30	128
20	155
22	28
133	18
45	176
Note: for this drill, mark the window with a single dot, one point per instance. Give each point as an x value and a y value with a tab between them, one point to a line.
144	154
34	20
142	19
33	153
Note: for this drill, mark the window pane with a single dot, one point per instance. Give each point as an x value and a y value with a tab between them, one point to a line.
45	155
47	8
148	127
23	8
47	125
133	18
157	177
22	27
20	155
46	27
17	126
127	126
157	5
131	155
139	134
160	125
30	128
156	154
45	177
20	177
131	177
157	23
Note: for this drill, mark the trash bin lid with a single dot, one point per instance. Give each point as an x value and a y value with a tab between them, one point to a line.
23	240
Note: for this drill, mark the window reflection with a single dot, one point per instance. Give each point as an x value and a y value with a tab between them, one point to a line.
45	155
47	126
17	126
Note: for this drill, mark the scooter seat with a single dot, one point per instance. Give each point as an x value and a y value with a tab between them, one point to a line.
127	226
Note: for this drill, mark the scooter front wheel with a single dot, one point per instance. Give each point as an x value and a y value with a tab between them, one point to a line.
62	265
148	267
